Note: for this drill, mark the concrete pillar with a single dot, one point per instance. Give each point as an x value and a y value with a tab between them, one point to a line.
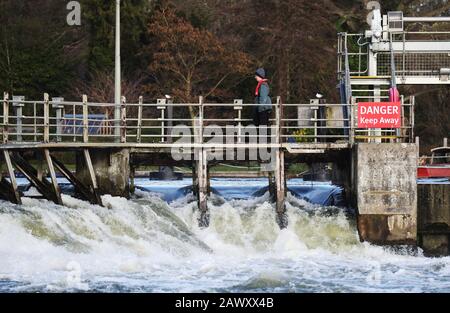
112	171
385	186
434	218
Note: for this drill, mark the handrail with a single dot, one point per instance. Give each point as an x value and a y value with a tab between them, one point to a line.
64	122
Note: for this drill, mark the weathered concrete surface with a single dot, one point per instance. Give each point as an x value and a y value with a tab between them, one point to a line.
112	171
385	188
434	218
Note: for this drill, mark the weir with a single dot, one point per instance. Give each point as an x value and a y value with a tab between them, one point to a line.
376	166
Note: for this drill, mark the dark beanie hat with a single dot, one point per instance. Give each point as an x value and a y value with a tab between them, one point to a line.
261	73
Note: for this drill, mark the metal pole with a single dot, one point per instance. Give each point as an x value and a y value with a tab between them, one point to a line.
56	104
18	104
117	93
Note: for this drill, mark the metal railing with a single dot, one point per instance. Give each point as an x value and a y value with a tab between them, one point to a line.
62	122
410	59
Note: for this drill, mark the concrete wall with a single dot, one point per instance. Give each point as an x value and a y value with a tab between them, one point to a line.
112	171
434	218
385	190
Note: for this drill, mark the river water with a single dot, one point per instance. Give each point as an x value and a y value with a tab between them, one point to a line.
148	244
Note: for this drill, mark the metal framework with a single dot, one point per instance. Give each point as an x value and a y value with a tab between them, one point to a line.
421	57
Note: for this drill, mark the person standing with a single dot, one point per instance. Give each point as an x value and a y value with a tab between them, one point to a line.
263	108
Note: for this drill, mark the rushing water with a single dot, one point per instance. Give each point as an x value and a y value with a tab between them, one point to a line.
148	245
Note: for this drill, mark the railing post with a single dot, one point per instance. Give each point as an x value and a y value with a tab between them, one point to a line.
35	121
56	104
352	121
18	104
401	133
412	117
278	121
46	118
5	116
139	125
201	116
169	120
238	107
85	119
315	108
162	106
123	120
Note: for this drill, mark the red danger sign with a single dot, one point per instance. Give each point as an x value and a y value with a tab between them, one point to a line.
379	115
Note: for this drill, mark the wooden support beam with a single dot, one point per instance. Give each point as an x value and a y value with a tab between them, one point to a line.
93	178
54	182
9	189
43	186
81	189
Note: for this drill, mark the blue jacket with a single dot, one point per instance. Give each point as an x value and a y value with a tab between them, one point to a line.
263	99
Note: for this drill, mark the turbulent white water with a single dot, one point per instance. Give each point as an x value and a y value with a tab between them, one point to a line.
145	245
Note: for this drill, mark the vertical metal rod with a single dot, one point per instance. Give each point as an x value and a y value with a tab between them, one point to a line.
123	120
238	107
401	132
352	120
280	181
202	172
85	119
35	122
118	86
315	125
240	126
5	116
277	120
404	55
139	130
412	116
169	120
56	104
18	104
163	133
74	130
201	112
46	118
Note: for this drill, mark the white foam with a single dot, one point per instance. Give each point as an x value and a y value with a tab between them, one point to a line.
144	244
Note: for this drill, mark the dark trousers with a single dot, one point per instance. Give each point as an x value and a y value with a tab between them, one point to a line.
261	118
